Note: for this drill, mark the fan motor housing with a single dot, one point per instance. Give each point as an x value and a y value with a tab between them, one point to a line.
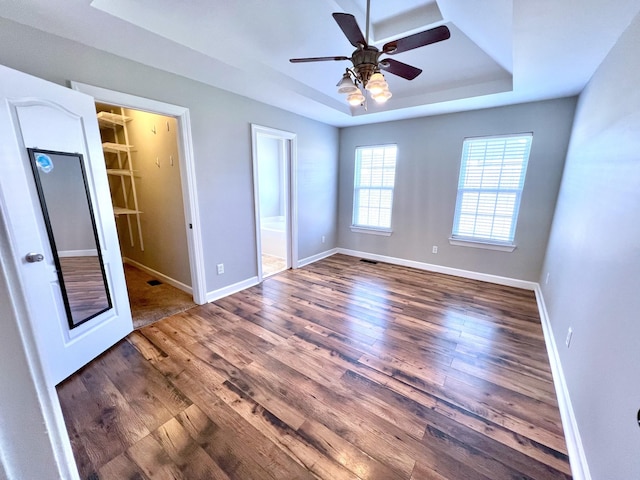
365	62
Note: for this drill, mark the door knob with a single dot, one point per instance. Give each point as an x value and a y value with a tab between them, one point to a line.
34	257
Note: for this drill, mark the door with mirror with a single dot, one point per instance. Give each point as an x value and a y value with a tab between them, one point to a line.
63	192
55	204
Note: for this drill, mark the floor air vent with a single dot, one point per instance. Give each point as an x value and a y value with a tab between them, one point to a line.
366	260
153	283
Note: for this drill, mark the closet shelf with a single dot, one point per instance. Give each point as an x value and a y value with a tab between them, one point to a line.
120	172
106	119
125	211
111	147
114	127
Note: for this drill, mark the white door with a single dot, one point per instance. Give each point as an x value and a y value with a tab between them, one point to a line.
61	125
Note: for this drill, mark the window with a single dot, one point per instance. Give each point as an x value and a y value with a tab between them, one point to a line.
492	175
375	175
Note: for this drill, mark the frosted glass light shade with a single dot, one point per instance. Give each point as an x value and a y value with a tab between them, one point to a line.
382	96
346	85
355	98
377	84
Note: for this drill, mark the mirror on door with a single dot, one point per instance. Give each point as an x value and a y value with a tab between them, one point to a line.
63	191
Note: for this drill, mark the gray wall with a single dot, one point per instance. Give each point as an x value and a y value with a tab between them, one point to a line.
593	261
428	165
221	128
271	180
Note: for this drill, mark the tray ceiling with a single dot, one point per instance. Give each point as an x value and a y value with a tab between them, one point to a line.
500	51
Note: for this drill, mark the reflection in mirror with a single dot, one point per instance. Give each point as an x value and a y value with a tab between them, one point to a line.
68	215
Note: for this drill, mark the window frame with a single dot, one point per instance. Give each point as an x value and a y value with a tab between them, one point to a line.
358	187
489	242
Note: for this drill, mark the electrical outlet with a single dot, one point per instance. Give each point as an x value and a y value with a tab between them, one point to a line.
568	339
220	268
434	249
323	238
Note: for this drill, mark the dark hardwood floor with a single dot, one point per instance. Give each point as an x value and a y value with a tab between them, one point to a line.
339	370
84	285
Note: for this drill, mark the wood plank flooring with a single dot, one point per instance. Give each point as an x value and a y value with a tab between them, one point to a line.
84	285
340	370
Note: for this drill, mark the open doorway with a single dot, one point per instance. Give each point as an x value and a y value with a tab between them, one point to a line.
273	159
141	158
149	165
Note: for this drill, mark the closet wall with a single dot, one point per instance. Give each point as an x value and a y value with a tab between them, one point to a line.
155	158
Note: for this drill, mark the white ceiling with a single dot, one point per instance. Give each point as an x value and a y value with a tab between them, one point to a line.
500	51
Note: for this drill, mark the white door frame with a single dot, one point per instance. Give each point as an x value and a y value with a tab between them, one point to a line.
187	172
25	373
292	199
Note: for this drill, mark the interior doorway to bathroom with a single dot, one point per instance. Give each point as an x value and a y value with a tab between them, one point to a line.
273	161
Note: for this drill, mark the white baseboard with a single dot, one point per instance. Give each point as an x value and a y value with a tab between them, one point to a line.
250	282
485	277
77	253
317	257
231	289
159	276
577	456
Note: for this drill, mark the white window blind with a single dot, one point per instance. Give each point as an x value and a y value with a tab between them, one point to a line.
491	180
375	174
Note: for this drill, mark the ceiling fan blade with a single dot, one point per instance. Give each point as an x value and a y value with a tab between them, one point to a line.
350	28
417	40
317	59
400	69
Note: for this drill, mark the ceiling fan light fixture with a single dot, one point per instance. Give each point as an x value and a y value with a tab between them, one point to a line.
355	99
346	85
365	73
382	97
377	84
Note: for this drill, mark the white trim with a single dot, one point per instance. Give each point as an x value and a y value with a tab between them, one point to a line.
291	210
385	232
577	456
317	257
485	277
502	247
293	197
187	172
250	282
160	276
17	309
231	289
77	253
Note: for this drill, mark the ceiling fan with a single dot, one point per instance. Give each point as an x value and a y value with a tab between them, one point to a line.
366	59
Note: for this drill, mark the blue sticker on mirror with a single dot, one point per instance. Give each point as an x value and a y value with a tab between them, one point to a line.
44	162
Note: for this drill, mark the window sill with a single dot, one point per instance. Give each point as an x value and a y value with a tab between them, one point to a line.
501	247
386	232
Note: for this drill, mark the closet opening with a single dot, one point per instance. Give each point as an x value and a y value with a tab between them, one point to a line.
186	273
141	151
